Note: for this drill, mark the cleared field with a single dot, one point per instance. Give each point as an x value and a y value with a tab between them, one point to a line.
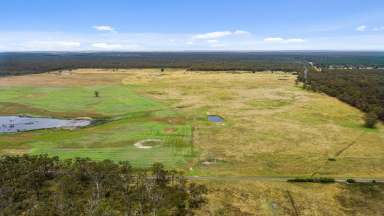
272	128
127	118
264	198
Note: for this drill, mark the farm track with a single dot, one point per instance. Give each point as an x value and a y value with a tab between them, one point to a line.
338	153
293	204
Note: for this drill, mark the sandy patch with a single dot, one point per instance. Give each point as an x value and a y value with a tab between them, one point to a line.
147	143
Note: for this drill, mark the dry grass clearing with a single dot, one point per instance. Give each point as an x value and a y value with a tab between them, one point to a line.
245	198
271	128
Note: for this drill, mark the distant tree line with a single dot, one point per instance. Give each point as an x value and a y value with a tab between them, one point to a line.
346	59
363	89
39	62
27	63
42	185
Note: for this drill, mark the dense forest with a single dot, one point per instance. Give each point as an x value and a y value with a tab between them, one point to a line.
363	89
38	62
42	185
346	59
24	63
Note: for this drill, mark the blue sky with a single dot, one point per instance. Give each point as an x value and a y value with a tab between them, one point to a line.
175	25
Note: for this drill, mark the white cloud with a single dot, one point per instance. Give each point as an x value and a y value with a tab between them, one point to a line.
295	40
381	28
104	28
107	46
212	35
282	40
53	45
189	43
361	28
212	41
219	34
273	40
61	41
240	32
67	43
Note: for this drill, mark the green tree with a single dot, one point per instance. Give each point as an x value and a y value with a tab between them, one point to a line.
41	185
371	119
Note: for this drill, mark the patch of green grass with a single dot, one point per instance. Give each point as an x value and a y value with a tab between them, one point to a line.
113	100
130	118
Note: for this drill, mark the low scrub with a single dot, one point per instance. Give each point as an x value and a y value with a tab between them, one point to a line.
351	181
371	119
313	180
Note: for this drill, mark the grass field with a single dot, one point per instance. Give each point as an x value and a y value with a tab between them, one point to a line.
129	118
246	198
272	128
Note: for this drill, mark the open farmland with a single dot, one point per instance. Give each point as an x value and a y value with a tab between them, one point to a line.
124	118
272	128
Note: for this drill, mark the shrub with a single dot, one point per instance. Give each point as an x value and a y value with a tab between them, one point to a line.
313	180
371	119
351	181
327	180
301	180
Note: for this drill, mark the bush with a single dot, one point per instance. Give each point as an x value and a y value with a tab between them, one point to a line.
327	180
301	180
351	181
371	119
313	180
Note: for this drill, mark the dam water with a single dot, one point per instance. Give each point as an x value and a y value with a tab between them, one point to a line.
12	124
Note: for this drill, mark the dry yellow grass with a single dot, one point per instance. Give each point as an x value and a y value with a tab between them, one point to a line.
271	128
264	198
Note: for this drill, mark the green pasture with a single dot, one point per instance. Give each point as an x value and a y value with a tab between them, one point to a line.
127	118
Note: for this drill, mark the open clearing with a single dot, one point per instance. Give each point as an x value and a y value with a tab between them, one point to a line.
271	128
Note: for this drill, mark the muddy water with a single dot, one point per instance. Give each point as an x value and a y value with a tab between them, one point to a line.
12	124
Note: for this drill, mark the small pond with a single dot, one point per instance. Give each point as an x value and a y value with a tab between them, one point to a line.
215	118
11	124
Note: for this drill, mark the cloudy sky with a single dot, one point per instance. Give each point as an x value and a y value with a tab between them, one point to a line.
176	25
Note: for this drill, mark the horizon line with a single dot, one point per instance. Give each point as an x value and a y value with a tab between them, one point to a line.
184	51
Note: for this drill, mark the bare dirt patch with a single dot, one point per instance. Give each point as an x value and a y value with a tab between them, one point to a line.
169	130
147	143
